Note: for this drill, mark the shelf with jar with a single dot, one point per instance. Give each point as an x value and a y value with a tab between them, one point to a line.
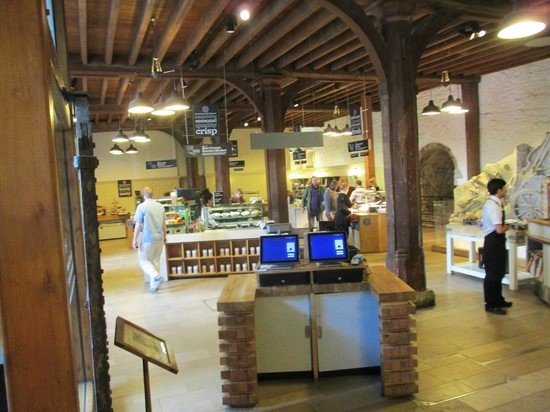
236	215
212	257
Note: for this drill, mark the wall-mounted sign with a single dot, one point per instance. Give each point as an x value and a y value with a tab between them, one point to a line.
354	155
236	163
355	121
298	155
124	188
233	148
363	154
160	164
198	150
205	120
358	145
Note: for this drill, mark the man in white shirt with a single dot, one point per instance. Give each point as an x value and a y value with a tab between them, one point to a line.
149	220
494	247
359	195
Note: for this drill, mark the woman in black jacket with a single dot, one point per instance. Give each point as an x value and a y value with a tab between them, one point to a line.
341	221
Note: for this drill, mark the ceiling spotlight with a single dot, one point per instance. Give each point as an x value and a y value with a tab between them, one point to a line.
231	24
244	14
259	118
295	103
245	124
472	30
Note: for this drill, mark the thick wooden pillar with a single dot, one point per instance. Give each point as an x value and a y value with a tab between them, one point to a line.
405	255
275	159
39	365
221	170
470	98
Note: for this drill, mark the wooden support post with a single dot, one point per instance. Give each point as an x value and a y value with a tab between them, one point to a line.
366	115
470	96
146	386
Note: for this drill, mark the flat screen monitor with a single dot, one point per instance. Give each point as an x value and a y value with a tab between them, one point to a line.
279	251
327	248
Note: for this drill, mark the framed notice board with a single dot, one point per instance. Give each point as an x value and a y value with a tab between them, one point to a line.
124	188
144	344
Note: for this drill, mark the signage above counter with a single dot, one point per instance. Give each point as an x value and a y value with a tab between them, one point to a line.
198	150
205	120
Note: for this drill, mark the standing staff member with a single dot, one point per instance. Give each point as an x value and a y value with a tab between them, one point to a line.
149	220
494	248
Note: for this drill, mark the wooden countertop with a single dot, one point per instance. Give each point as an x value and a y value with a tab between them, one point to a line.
112	218
388	286
238	294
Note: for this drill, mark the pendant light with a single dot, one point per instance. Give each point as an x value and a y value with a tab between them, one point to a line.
460	109
140	105
120	137
140	136
175	102
522	23
131	149
161	110
431	109
450	105
116	150
346	131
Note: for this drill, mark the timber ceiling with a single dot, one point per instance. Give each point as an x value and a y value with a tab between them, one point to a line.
111	44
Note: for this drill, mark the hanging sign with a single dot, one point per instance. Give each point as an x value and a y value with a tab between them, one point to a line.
199	150
355	121
205	120
299	155
160	164
358	145
125	188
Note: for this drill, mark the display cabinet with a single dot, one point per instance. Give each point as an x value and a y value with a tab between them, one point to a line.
236	215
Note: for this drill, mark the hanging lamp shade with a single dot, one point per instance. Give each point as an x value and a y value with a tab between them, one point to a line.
120	137
461	108
140	105
140	136
450	105
131	149
522	23
346	131
116	150
330	131
431	109
176	102
161	110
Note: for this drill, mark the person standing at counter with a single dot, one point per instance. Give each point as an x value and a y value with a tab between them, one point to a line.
346	188
312	201
494	247
237	197
329	199
149	221
359	195
341	218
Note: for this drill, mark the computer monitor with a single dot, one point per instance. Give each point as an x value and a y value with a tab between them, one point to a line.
327	248
279	251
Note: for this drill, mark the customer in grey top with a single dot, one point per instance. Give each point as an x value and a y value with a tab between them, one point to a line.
330	198
149	221
312	201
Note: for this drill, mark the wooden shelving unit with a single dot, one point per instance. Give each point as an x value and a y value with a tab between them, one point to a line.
206	258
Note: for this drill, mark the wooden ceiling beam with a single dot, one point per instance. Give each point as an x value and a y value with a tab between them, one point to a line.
275	8
519	59
324	48
338	53
82	30
111	30
202	95
276	32
348	59
298	38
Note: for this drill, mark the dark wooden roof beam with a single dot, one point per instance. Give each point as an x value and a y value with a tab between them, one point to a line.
323	49
274	33
338	53
348	59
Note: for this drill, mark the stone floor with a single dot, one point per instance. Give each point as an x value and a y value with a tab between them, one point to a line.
469	360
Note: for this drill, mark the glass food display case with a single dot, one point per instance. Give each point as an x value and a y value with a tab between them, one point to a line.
236	215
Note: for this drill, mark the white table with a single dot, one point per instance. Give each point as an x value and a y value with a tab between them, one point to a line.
473	234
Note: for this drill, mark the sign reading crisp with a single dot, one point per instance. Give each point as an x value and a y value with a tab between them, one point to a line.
205	120
355	120
199	150
358	145
160	164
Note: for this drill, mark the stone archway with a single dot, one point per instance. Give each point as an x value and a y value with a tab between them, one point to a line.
437	171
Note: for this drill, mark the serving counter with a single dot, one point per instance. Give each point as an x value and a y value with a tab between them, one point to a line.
370	236
316	325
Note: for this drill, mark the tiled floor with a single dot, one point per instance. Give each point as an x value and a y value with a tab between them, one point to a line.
468	360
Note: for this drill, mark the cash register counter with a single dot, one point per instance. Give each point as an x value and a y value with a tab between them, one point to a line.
371	235
314	319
